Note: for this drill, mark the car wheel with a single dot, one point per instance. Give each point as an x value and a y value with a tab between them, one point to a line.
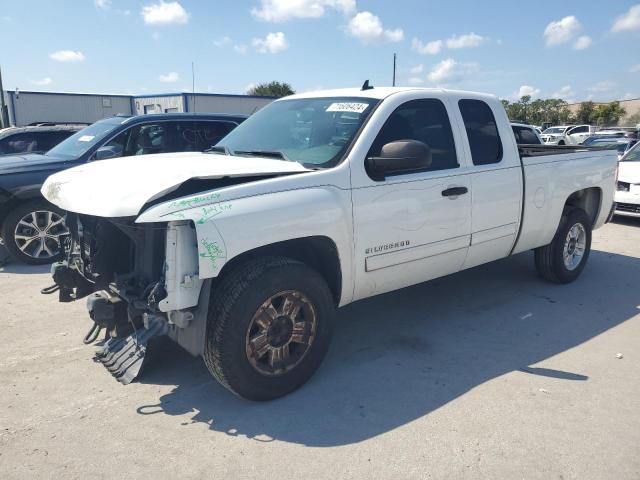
32	231
564	258
269	327
561	142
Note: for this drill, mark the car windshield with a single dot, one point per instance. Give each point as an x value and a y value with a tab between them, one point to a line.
79	143
553	130
633	155
610	143
315	132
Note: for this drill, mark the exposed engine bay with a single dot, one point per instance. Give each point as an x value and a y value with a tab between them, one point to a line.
119	266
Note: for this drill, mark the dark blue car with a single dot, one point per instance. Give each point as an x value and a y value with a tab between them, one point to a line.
31	227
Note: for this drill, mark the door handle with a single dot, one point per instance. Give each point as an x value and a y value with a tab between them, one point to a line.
454	191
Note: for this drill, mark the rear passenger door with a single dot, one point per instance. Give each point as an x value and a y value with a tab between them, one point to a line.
408	228
496	181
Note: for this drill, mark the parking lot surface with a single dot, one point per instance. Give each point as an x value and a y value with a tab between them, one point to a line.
490	373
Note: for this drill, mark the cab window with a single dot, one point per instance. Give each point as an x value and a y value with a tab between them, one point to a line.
482	132
427	121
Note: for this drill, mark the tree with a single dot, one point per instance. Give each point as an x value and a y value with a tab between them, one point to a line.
539	111
271	89
608	114
585	113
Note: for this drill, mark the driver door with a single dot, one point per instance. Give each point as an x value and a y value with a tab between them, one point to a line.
408	227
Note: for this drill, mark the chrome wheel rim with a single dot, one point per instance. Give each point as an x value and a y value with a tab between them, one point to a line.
574	246
281	333
37	234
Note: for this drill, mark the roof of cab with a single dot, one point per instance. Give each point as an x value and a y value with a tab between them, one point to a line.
382	93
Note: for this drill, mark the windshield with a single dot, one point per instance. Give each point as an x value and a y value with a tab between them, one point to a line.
610	143
79	143
633	155
554	130
315	132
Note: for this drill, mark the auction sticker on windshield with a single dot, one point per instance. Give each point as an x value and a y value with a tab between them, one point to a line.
86	138
347	107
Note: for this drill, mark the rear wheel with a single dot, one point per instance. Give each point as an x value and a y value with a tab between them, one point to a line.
564	258
269	327
32	231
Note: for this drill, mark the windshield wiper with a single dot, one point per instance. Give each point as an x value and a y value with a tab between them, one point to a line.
263	153
218	149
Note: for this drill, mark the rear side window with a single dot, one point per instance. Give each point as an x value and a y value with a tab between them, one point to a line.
482	132
425	120
48	140
525	136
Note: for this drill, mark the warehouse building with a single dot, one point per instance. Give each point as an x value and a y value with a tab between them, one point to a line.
28	107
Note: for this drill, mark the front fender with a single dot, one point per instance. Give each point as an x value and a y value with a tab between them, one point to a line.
228	228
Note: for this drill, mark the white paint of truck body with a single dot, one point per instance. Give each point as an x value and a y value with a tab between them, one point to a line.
429	235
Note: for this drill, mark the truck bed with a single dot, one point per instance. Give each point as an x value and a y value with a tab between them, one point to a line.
541	150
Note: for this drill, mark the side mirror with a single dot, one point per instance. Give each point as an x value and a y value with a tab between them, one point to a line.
401	156
106	152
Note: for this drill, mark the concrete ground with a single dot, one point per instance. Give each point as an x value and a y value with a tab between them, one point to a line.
490	373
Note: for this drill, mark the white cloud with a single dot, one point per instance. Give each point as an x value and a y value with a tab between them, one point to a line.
67	56
221	42
369	29
413	81
102	4
272	43
562	31
468	40
417	69
170	77
605	86
240	48
283	10
629	96
43	82
451	71
635	68
582	43
164	13
564	93
429	48
526	90
628	22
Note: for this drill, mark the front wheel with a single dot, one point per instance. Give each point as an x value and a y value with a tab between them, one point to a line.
32	233
564	258
269	327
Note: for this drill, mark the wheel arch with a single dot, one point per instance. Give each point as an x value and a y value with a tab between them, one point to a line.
318	252
587	199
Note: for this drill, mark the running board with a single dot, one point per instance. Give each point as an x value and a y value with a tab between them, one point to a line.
124	357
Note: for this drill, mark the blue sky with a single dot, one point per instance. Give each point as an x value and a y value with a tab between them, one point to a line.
574	49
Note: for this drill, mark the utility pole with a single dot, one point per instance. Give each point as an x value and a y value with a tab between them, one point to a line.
394	70
4	114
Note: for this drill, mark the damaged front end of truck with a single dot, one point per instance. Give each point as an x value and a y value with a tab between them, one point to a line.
119	266
142	254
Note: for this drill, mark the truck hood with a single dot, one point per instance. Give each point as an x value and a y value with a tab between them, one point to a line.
121	187
629	172
28	162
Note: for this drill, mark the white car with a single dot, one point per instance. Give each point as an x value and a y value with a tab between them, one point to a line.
242	254
627	195
567	134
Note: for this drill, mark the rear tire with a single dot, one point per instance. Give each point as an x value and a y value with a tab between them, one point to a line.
565	257
31	233
269	327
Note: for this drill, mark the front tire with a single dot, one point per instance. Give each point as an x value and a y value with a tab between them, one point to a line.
565	257
31	233
269	327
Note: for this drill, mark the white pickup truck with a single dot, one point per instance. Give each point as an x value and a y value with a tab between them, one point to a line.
242	254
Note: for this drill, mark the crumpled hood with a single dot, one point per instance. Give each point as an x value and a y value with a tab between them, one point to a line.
121	187
629	172
28	162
